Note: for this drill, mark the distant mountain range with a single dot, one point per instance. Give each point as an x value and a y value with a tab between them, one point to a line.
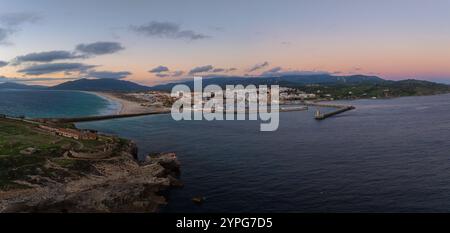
337	87
288	81
82	85
100	85
340	84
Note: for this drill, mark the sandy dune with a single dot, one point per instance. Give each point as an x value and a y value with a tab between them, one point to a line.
127	107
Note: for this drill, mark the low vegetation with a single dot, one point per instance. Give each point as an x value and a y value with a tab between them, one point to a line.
385	89
27	151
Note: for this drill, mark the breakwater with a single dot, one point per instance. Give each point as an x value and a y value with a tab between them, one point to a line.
293	109
97	118
340	109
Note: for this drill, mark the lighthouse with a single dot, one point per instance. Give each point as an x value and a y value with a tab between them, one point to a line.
318	114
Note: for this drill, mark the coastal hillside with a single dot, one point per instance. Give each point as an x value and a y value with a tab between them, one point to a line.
386	89
100	85
288	80
335	87
326	86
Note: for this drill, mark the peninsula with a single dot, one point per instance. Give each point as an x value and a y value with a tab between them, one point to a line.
59	168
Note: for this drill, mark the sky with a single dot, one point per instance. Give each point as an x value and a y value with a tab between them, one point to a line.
151	42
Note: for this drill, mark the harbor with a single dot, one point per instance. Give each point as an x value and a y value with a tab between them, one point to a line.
318	115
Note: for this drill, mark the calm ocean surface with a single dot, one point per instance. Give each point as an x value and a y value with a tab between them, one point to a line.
385	156
42	103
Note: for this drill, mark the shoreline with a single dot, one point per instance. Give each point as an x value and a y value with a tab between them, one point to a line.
118	106
126	107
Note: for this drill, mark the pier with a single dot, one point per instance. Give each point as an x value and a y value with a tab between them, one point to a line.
340	109
293	109
321	116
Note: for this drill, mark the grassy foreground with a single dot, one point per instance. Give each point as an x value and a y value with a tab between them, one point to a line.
27	151
43	172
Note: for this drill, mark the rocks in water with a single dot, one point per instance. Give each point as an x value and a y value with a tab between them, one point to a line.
198	200
167	160
171	165
174	182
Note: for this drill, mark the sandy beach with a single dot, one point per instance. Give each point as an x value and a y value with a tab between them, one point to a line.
126	106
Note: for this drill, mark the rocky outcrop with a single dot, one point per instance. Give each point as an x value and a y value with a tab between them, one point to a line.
168	160
116	184
170	164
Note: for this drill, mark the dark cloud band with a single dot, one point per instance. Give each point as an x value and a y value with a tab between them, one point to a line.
55	68
159	69
108	74
47	56
99	48
167	30
258	66
201	69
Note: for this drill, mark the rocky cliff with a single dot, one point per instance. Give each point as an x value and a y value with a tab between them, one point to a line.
119	183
